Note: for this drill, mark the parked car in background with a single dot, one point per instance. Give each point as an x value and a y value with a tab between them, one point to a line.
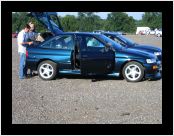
158	33
88	54
125	42
102	31
120	32
151	32
14	35
98	31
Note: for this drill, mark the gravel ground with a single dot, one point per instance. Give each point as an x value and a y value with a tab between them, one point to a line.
73	99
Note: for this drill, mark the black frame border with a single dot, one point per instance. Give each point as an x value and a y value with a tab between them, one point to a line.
166	7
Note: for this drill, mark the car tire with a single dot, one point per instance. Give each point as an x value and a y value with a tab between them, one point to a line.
133	71
158	35
47	70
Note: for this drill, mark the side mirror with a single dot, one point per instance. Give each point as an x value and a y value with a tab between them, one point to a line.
109	47
106	48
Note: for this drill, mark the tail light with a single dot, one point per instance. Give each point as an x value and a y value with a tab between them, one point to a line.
26	54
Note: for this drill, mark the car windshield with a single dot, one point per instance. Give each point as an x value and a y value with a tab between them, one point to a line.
109	41
127	41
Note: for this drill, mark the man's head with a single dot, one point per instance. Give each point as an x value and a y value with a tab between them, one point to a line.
27	28
32	27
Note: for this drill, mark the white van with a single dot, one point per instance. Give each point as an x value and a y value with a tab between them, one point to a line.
143	30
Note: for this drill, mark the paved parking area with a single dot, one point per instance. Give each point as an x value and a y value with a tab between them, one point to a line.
74	99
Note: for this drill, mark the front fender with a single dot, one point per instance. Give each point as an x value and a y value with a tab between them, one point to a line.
120	62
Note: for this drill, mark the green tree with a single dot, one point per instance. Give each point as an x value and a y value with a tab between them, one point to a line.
69	23
85	21
20	19
139	23
152	19
88	21
120	21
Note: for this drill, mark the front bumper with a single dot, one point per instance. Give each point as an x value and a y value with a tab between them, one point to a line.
151	73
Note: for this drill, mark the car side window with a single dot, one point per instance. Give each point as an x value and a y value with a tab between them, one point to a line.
46	44
93	42
60	42
69	42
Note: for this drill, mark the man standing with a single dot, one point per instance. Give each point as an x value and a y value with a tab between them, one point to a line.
31	37
32	34
22	43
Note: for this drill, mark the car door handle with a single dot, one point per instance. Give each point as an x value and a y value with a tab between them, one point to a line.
84	56
102	50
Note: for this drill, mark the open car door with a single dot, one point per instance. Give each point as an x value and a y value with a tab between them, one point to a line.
95	57
48	19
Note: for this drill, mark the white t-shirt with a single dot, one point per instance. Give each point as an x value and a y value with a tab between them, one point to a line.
21	39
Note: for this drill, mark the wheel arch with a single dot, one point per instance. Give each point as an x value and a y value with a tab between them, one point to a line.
122	66
45	59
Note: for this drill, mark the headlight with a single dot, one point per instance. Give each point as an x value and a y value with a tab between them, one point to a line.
157	53
150	60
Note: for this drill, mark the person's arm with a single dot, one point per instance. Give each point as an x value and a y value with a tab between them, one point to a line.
21	40
29	43
26	43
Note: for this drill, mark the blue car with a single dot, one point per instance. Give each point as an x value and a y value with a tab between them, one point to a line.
122	40
88	54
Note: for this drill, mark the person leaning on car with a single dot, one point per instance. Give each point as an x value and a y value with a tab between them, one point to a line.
32	33
22	44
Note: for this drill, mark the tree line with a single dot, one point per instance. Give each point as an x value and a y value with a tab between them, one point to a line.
89	21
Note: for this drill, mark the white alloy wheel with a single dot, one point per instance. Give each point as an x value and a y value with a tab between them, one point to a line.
133	72
46	70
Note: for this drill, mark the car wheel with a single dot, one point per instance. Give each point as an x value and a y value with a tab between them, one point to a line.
133	72
47	70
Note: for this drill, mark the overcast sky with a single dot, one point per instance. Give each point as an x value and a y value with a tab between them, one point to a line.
103	15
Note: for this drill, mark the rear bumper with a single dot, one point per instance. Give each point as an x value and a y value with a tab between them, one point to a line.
31	64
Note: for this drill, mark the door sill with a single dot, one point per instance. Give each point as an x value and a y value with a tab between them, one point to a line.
67	71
